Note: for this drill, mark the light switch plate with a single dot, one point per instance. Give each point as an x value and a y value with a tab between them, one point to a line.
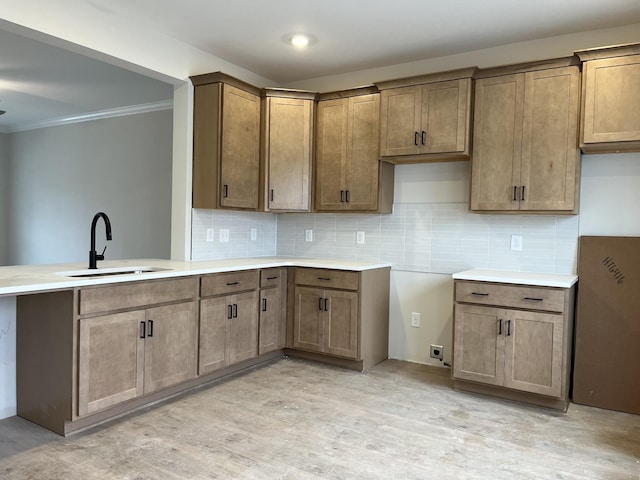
224	235
210	236
254	234
308	235
360	237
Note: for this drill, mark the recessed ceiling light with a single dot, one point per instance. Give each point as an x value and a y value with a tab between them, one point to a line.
299	40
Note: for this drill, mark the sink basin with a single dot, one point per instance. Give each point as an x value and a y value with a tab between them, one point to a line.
104	272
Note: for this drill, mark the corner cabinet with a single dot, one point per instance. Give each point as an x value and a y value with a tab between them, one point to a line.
349	176
226	143
287	150
525	151
426	118
514	341
611	99
342	315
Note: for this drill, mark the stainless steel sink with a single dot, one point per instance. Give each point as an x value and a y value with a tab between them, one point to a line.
104	272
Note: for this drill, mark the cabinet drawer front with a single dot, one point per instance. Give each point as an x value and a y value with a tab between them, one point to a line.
318	277
516	296
271	277
226	283
131	295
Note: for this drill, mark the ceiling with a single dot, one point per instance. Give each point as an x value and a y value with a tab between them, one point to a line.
347	36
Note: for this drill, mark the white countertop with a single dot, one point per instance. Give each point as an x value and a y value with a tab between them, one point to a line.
520	278
20	279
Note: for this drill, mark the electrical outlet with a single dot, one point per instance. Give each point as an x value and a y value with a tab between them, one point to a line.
415	319
224	235
435	351
254	234
308	235
516	243
210	236
360	237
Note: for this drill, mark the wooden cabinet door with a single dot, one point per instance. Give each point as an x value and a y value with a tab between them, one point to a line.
361	162
444	116
497	142
341	324
308	330
550	152
289	153
171	344
400	117
110	360
242	331
240	149
214	315
533	352
270	314
611	100
478	344
331	152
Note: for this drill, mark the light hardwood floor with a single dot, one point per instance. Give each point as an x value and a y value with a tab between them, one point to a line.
299	420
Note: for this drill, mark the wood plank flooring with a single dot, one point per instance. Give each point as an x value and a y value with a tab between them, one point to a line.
300	420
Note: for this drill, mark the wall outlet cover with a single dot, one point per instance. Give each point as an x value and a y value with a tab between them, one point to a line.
224	235
360	237
516	243
210	234
254	234
308	235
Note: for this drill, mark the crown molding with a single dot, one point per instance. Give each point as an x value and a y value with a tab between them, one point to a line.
87	117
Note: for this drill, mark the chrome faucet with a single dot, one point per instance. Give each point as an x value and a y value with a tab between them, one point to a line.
93	255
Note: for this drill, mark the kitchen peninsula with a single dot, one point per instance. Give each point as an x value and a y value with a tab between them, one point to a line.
96	344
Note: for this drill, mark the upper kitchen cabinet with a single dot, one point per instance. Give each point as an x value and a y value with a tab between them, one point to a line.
226	143
525	141
349	176
611	99
426	118
285	179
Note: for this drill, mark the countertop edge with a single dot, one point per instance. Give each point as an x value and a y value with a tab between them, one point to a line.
30	279
518	278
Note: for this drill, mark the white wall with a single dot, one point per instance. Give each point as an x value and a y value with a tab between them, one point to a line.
61	176
4	198
610	195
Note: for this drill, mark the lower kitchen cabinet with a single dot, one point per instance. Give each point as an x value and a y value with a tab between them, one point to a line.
326	321
342	314
87	354
124	355
509	348
523	351
272	315
228	321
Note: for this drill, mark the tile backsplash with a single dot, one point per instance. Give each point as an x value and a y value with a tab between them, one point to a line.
419	237
239	225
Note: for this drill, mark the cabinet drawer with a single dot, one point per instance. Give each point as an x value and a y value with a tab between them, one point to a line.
325	278
516	296
271	277
132	295
226	283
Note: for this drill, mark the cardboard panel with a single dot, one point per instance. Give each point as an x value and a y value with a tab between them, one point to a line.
607	350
